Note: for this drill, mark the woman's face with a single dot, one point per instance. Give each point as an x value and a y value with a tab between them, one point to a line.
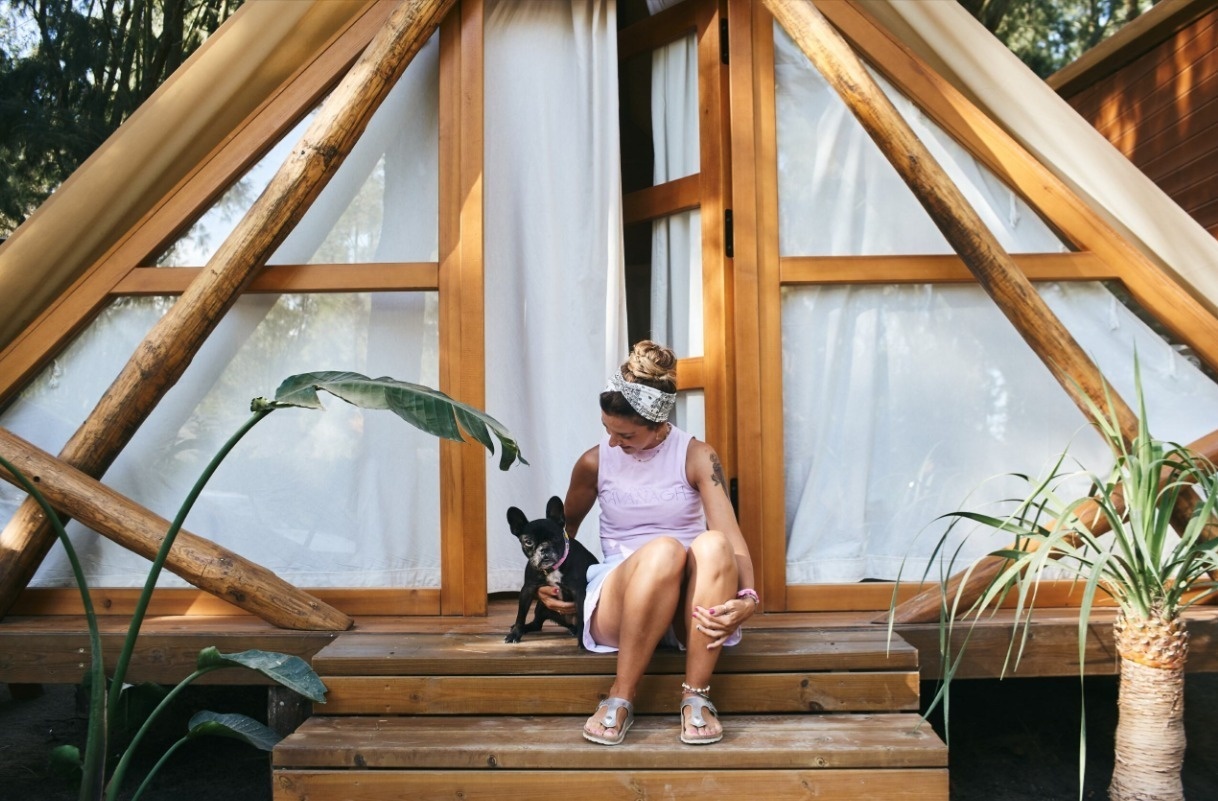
628	435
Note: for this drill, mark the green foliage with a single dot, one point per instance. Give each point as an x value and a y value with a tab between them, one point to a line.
424	408
114	704
71	71
1117	539
1049	34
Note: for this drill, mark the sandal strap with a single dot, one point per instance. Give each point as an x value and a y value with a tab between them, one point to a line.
612	705
696	704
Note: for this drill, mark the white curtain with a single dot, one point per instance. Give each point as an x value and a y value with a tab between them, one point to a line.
676	240
335	498
901	402
555	314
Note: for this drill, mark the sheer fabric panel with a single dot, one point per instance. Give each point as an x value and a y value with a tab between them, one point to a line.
555	322
343	497
902	403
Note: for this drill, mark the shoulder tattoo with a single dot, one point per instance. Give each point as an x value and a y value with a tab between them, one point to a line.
717	472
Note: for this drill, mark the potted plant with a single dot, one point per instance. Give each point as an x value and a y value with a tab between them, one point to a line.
1139	536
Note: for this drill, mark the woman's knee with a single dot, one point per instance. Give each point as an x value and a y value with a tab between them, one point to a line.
662	558
713	548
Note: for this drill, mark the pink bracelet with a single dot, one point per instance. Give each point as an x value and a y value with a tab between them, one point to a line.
750	593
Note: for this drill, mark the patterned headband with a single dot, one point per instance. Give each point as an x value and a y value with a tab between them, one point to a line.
649	402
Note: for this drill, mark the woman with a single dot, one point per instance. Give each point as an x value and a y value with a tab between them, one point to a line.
676	567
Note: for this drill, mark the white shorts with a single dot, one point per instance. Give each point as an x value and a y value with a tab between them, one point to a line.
596	579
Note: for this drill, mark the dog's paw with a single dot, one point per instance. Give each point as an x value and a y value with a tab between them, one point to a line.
514	635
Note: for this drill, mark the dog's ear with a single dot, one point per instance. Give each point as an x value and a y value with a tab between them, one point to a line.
516	520
555	512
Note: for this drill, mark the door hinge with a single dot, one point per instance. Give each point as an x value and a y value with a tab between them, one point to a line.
729	237
723	48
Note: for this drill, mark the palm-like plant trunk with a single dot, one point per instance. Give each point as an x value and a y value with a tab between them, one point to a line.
1150	724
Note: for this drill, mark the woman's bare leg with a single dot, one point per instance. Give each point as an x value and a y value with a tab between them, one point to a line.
636	607
711	577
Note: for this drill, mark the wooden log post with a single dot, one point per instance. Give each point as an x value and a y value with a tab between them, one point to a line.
169	347
204	564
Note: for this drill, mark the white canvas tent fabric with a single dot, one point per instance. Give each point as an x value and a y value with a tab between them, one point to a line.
901	401
977	64
878	379
347	498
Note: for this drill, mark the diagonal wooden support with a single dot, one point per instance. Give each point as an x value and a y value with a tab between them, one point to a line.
169	347
204	564
993	267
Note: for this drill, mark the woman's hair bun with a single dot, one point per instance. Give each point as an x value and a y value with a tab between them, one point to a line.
653	364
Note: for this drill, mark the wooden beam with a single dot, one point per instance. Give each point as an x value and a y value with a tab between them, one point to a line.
463	587
168	349
278	278
947	206
203	563
657	30
654	202
939	269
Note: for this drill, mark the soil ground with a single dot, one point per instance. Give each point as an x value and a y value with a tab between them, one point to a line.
1011	740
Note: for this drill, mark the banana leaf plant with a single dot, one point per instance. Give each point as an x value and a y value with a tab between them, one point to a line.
1116	541
427	409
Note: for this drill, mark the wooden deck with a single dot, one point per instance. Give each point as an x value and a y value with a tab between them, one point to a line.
53	649
808	713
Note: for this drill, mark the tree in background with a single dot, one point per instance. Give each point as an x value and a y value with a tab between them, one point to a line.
71	71
1049	34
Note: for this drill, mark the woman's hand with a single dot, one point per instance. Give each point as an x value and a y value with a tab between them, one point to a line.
721	621
551	598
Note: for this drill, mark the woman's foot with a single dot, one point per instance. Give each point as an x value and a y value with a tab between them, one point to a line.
612	719
699	720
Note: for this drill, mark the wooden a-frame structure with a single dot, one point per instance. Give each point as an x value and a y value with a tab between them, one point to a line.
743	273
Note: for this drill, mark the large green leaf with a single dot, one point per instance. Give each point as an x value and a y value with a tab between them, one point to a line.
423	407
233	725
290	671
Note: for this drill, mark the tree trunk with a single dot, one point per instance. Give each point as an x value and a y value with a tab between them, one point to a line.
1150	723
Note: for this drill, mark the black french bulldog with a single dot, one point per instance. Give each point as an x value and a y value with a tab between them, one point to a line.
554	559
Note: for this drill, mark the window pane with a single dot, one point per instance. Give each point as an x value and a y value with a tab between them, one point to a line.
901	402
381	206
839	195
341	497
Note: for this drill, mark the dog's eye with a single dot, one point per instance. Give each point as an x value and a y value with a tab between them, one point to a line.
527	542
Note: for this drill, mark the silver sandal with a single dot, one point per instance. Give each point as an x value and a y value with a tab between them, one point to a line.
610	721
696	704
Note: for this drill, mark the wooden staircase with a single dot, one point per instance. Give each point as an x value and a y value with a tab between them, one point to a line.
807	714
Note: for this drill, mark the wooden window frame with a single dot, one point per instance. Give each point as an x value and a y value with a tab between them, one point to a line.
1101	253
458	278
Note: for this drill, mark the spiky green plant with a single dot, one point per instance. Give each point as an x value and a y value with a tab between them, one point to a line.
427	409
1117	541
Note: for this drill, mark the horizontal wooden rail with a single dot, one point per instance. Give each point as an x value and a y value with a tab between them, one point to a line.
934	269
389	277
657	30
654	202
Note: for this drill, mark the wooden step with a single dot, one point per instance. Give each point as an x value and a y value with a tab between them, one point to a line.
807	714
771	756
464	674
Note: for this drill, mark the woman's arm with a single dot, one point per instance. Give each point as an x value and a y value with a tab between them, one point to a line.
581	494
705	473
